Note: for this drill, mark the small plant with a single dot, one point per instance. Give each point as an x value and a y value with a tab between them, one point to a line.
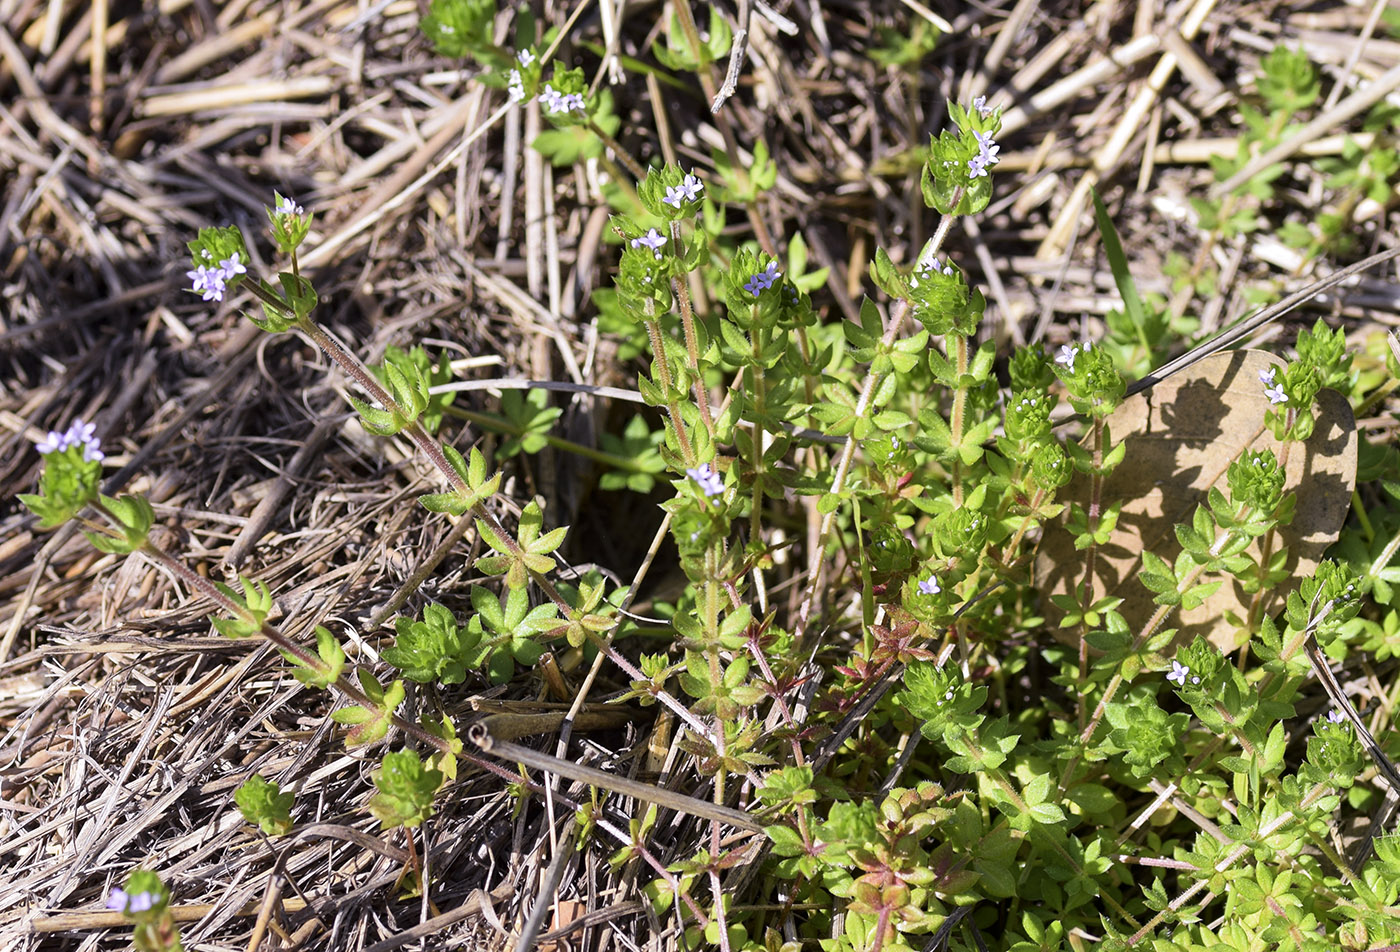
145	903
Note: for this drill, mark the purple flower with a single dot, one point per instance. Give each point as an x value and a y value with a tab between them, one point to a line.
1336	716
987	147
1266	377
710	482
78	434
930	586
119	899
199	278
214	286
557	102
1178	673
980	104
986	156
1276	394
82	433
688	191
653	239
55	442
763	280
207	282
232	267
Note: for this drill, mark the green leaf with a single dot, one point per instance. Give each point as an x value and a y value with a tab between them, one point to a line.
1118	264
332	658
262	802
404	790
434	649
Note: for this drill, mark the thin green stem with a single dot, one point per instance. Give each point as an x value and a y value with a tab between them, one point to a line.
633	167
663	370
692	342
864	405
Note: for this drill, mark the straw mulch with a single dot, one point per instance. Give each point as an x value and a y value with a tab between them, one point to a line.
125	723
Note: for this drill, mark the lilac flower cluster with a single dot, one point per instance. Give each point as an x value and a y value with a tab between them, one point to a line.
79	434
653	239
980	104
557	102
688	191
1272	388
711	483
986	156
121	901
763	280
211	283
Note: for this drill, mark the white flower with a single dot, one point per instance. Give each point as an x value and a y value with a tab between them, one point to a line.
930	586
525	57
1179	672
516	88
1336	716
1276	394
1066	357
987	147
980	104
710	482
285	206
1266	377
552	98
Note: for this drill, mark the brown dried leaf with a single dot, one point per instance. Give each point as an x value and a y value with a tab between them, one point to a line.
1182	435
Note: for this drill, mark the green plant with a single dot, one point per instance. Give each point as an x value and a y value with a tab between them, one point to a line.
938	743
